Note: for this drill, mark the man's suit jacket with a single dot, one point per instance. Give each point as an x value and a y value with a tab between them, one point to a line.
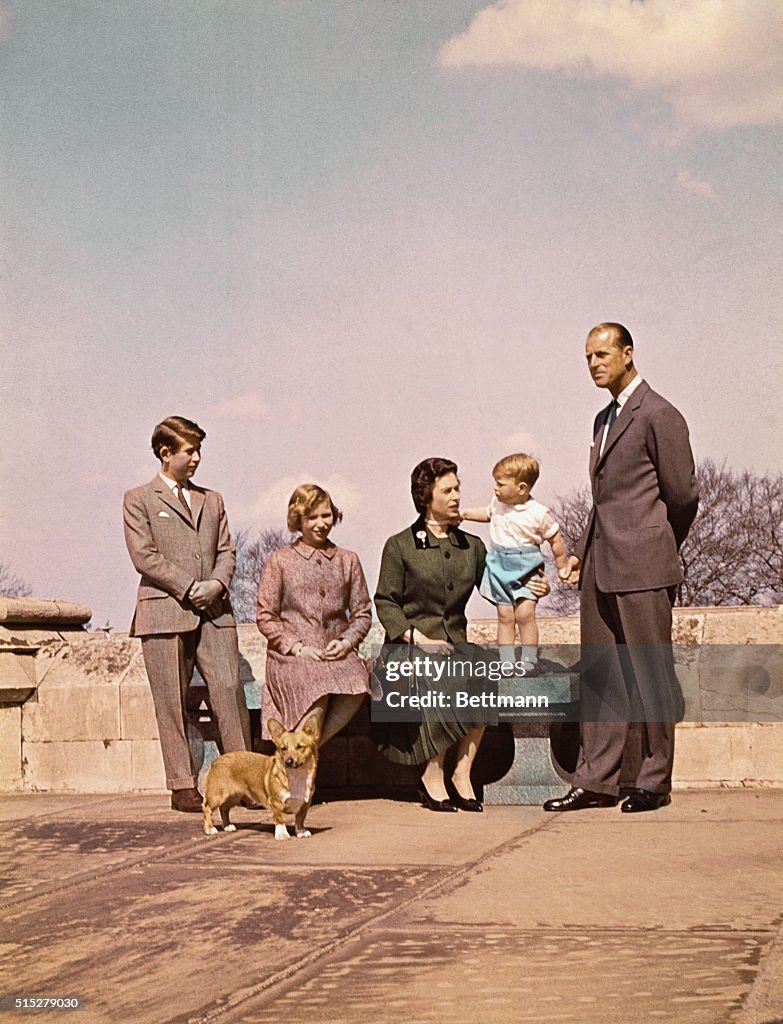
172	552
645	496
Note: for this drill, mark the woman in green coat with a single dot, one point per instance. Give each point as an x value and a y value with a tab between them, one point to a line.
427	575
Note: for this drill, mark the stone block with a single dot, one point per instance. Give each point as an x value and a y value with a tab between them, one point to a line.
687	626
92	659
10	748
767	753
687	671
73	712
558	688
147	765
482	631
43	611
135	674
78	766
558	629
137	712
533	776
743	625
17	676
712	755
741	682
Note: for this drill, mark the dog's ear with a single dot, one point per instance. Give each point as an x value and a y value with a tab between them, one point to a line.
312	726
276	729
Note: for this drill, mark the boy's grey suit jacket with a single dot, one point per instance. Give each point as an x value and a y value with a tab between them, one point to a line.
645	496
172	552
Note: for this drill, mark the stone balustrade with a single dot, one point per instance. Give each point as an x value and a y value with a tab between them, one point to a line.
76	713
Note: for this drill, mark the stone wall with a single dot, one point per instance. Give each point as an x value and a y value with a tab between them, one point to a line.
719	753
76	712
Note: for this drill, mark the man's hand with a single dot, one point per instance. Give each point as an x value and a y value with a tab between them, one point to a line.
338	649
203	593
570	572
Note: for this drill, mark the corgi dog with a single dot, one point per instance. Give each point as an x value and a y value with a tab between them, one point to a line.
284	782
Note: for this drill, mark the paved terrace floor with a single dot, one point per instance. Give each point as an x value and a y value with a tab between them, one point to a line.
392	913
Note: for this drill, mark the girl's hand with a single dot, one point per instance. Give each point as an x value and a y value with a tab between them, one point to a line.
309	652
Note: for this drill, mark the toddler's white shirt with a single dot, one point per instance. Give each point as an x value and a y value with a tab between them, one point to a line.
511	526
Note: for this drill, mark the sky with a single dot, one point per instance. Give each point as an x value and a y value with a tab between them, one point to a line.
346	235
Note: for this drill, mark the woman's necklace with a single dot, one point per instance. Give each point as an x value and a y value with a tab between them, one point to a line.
437	527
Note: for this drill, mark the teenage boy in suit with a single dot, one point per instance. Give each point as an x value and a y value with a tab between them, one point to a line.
178	540
645	497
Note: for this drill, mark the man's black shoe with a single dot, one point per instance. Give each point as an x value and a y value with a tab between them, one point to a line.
644	800
580	799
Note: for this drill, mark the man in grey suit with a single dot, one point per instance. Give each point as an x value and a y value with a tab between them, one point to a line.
178	539
645	497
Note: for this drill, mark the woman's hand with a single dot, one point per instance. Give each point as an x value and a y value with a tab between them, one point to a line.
539	585
338	649
432	646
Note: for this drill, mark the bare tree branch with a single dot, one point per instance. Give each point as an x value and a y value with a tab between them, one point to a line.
733	554
253	549
571	513
12	585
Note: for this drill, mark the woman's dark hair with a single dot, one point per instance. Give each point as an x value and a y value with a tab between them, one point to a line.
424	477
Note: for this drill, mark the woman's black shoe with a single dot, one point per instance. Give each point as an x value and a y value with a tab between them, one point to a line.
434	805
465	803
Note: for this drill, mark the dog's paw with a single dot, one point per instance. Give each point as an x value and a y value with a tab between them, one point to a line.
281	832
230	828
303	833
210	831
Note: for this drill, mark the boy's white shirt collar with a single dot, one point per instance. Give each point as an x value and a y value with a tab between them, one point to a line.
172	484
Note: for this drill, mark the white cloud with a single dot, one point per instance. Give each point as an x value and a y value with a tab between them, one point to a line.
270	505
717	61
520	441
250	407
241	407
705	189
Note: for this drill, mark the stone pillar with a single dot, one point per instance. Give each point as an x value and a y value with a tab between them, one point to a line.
535	774
28	627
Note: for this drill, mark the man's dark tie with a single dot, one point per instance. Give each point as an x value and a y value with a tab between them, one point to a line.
184	500
611	414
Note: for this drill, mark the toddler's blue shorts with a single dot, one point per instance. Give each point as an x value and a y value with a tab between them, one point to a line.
507	571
